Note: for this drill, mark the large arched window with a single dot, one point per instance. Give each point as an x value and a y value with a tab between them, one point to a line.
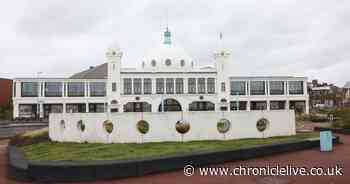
137	107
169	104
202	106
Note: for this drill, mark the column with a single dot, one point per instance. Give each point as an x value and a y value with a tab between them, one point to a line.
307	106
15	110
63	107
88	88
185	80
153	83
268	105
41	110
86	107
287	104
248	105
63	89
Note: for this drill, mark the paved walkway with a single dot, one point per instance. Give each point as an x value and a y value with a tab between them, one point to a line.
306	158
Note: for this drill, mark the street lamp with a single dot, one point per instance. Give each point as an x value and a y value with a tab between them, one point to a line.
38	94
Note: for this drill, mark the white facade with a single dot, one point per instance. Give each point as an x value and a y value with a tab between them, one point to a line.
167	80
203	126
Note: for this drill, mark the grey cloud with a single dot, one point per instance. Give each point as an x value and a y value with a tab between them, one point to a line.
270	37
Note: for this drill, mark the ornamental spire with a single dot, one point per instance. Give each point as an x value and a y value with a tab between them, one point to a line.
167	36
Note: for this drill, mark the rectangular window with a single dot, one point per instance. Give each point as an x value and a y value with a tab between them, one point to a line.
179	85
192	85
99	89
296	87
277	105
137	86
276	87
127	86
258	105
97	107
201	85
241	104
114	87
160	86
147	86
210	85
223	87
53	89
170	86
76	89
257	88
29	89
76	108
238	87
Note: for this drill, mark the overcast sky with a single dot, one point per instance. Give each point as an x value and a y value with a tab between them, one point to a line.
271	37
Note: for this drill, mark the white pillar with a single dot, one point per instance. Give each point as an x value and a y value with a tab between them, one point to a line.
185	85
248	105
307	106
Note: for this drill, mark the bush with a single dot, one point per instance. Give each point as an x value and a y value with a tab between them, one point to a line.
342	118
317	118
30	137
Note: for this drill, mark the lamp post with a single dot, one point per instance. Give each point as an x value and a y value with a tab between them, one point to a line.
38	94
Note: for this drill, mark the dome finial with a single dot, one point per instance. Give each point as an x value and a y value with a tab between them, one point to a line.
167	36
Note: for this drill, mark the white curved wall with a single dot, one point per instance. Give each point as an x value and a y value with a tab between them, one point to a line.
162	126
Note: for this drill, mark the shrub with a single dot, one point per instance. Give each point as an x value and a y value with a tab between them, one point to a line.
30	137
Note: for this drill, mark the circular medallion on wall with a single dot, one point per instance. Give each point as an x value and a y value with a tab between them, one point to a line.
223	125
182	126
108	126
262	124
142	126
81	126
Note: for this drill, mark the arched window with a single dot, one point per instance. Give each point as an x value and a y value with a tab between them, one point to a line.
153	63
169	104
167	62
182	62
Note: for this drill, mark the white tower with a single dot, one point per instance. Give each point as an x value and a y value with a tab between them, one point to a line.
114	56
221	57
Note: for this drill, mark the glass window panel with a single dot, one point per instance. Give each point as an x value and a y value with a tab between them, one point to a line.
169	85
147	86
238	87
53	89
29	89
97	89
160	85
76	89
201	85
276	87
127	86
192	85
257	88
179	83
211	85
296	87
137	86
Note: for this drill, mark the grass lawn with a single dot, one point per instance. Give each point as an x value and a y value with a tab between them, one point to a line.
96	151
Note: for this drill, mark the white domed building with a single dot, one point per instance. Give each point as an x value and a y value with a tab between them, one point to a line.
166	88
167	80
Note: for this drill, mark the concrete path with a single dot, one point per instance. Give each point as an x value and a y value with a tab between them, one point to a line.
307	158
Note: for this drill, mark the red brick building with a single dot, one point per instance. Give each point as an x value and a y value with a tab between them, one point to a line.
5	92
